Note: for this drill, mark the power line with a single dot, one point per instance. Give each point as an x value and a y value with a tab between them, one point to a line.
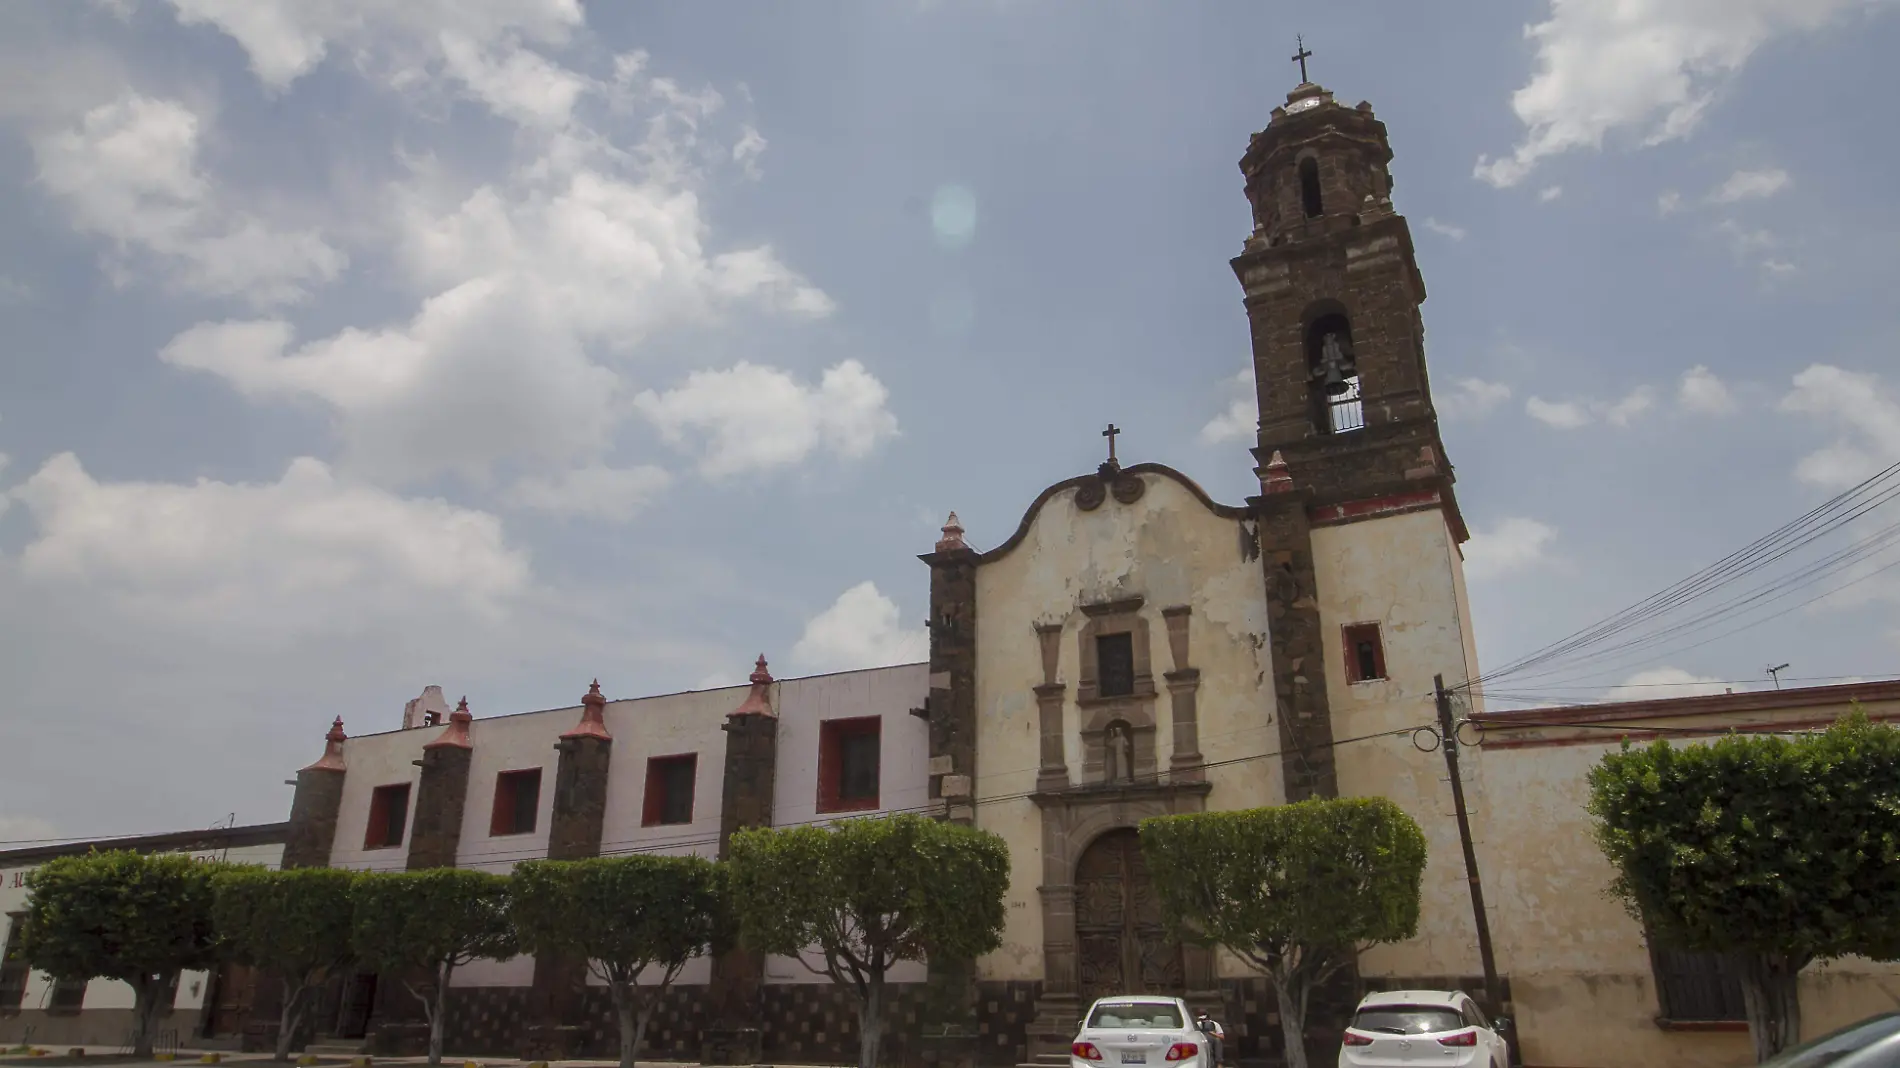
1812	525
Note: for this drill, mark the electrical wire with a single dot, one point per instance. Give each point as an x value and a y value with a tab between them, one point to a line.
1818	522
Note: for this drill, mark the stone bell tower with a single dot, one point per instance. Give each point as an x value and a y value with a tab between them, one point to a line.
1347	430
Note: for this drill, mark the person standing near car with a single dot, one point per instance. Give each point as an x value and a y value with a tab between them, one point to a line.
1216	1037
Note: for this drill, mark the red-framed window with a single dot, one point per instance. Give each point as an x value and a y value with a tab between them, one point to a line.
669	790
849	759
517	801
1365	653
388	816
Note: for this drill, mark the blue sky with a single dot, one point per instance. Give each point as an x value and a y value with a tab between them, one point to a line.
352	347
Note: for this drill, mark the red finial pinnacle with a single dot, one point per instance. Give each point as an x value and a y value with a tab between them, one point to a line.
332	758
1278	478
593	710
457	732
759	701
952	535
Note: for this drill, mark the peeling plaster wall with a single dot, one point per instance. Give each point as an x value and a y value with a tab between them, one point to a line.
1580	971
1168	549
1404	573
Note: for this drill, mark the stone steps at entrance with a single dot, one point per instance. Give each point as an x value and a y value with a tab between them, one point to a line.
336	1049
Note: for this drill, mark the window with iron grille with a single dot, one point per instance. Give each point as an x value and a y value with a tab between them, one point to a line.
1115	664
388	816
68	995
1345	411
1694	986
517	800
849	764
669	790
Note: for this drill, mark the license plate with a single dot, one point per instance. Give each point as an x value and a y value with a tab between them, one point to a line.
1134	1058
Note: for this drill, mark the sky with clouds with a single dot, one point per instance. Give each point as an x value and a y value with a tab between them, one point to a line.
353	346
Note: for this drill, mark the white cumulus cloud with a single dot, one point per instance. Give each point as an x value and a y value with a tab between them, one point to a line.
305	552
1700	391
751	418
1663	682
1576	414
1750	185
1858	406
1456	233
1510	545
860	630
1652	67
1470	398
128	171
1240	421
597	491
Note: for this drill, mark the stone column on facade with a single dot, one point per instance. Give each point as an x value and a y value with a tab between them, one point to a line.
1051	696
735	1033
948	1032
574	832
441	794
308	842
1184	686
951	706
1296	639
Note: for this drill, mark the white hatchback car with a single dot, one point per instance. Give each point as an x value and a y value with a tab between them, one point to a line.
1140	1030
1404	1027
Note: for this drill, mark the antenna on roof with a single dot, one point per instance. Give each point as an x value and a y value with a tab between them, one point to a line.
1775	674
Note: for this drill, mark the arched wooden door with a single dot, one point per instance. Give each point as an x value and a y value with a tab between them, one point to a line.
1121	945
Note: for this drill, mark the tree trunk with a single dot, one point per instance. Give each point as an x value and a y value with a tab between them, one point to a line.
632	1020
871	1021
146	995
289	1019
1291	991
1770	999
440	1015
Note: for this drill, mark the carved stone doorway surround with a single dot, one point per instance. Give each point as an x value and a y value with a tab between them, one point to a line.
1072	820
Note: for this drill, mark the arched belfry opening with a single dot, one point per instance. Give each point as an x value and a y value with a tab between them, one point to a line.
1333	372
1310	200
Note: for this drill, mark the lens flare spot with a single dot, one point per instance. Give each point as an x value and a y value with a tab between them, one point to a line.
953	216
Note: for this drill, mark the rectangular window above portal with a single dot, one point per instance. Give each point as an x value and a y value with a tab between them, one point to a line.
1115	664
1365	653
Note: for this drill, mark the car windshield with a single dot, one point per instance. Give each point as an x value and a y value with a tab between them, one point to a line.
1406	1020
1150	1015
1835	1045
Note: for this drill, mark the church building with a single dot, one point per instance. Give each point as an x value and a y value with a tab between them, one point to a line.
1132	648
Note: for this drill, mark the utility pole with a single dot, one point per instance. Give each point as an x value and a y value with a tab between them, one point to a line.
1449	734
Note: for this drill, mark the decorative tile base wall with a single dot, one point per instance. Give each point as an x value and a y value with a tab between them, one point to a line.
818	1023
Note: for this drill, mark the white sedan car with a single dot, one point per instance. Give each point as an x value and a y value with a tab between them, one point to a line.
1421	1027
1140	1030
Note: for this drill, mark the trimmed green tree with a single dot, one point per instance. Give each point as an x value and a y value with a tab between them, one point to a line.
1774	851
867	893
294	924
139	918
625	916
1296	891
422	925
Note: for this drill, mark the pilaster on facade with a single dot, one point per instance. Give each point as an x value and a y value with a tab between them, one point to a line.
1185	764
574	832
311	835
1051	695
951	706
1296	645
441	794
734	1034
